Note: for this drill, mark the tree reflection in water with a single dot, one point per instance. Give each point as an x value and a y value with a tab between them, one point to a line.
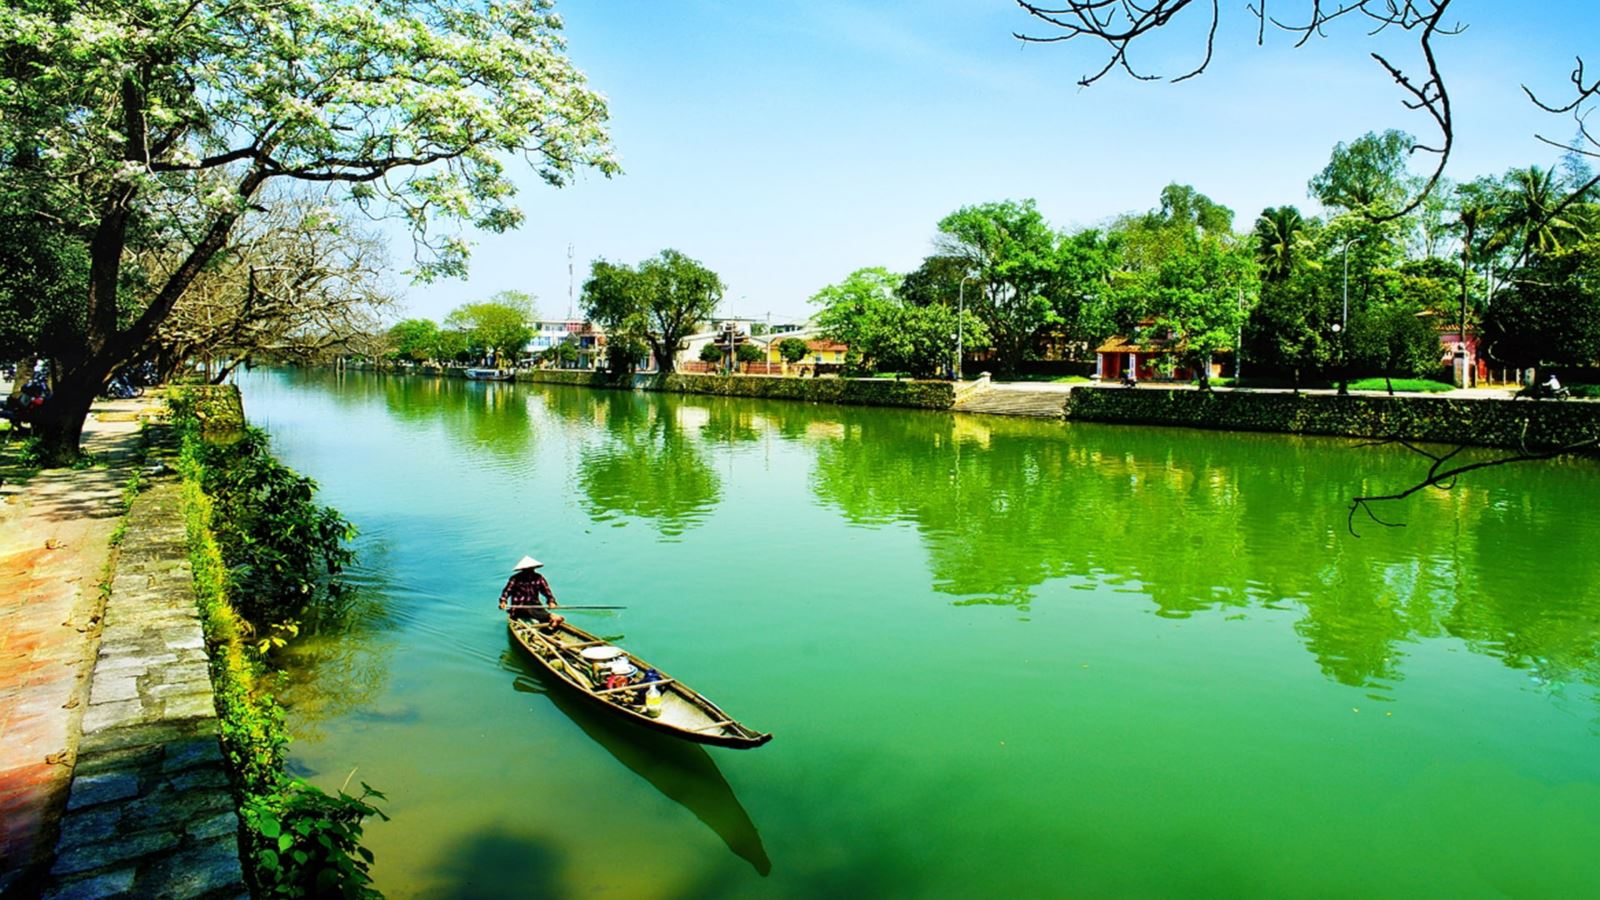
1201	522
648	467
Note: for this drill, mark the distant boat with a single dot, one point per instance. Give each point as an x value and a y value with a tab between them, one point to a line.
491	374
580	660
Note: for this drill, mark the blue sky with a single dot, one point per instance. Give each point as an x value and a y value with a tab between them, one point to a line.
786	145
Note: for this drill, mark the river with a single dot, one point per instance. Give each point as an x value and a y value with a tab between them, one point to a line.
999	657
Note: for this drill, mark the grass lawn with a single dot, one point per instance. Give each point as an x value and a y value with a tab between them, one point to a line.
1406	385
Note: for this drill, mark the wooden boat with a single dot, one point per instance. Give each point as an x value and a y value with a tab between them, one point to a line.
490	374
683	711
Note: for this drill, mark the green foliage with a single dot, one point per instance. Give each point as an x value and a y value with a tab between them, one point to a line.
499	327
710	352
43	273
792	350
1370	174
1013	253
867	313
297	840
150	130
562	354
748	353
1396	339
283	551
1281	242
658	304
1551	313
414	339
451	344
857	312
309	843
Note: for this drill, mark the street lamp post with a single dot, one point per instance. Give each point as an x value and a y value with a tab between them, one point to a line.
961	309
1344	319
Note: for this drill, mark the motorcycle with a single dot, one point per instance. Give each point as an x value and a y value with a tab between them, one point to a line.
1542	392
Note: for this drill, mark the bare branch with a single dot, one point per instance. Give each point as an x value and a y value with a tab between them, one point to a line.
1443	476
1118	24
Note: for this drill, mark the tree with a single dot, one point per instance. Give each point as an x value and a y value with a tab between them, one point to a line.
657	304
452	344
1200	296
1369	174
563	354
711	352
859	312
414	339
1013	253
498	327
156	124
296	283
1533	205
792	350
1550	314
1289	328
937	280
681	294
748	353
1281	242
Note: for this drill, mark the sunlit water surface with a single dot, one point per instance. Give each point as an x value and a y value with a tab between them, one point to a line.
1000	658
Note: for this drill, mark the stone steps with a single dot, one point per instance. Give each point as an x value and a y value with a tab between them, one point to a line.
999	401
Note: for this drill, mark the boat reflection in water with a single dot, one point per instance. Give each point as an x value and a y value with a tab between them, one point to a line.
682	771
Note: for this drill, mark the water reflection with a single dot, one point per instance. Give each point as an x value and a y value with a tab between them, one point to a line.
1198	523
490	415
683	772
647	466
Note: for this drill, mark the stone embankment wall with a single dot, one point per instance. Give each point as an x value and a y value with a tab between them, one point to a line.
1479	421
150	813
849	391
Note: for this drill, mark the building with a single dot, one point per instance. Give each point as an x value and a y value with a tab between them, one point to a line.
1155	356
586	337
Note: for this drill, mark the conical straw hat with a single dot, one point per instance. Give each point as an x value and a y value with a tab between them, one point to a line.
527	562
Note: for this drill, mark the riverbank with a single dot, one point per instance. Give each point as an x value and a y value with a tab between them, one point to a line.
1487	418
1473	417
845	391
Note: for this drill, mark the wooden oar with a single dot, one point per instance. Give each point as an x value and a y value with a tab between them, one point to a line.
533	606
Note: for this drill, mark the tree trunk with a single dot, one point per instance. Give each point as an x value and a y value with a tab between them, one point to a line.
59	424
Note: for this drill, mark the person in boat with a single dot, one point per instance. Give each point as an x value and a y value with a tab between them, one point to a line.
524	590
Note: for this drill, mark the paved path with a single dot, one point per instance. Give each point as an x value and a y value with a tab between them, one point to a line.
54	548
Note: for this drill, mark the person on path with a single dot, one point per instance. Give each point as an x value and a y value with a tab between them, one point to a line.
523	592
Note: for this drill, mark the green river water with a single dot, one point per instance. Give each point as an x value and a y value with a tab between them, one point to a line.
999	658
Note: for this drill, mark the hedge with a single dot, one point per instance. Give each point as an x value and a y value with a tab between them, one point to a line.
1484	422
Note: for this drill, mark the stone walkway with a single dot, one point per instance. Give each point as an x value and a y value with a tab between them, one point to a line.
55	535
151	813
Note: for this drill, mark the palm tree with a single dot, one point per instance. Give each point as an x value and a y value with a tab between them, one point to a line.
1534	211
1280	241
